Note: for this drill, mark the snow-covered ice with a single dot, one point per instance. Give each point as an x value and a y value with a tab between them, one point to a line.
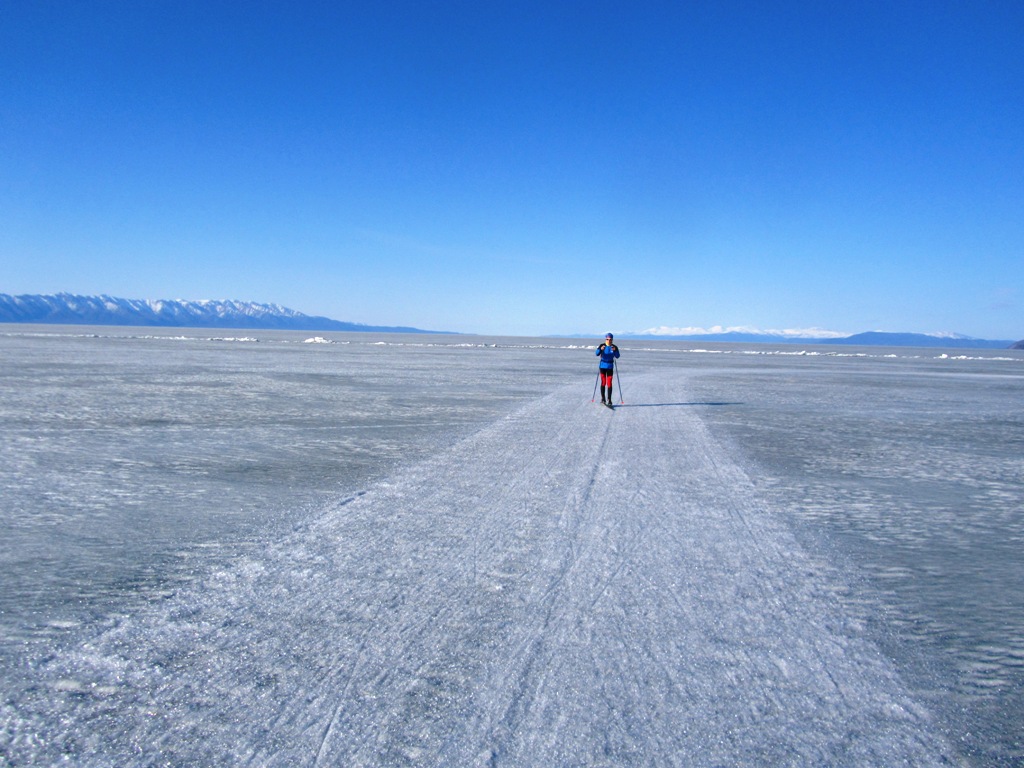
556	584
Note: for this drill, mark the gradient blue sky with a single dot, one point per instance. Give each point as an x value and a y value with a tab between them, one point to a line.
524	167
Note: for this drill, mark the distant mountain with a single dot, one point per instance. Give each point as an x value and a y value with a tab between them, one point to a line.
949	341
67	309
737	334
817	336
1018	345
734	336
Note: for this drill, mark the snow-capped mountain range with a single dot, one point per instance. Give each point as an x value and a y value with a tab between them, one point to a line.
70	309
65	308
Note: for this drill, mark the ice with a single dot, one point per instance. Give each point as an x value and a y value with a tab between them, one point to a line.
913	468
446	555
565	586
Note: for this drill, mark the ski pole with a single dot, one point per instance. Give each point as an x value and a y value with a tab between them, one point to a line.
618	381
595	387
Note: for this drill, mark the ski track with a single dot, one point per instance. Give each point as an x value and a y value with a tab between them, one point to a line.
568	587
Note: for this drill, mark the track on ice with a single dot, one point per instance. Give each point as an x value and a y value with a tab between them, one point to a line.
568	586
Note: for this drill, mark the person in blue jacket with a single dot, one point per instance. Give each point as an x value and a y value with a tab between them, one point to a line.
608	353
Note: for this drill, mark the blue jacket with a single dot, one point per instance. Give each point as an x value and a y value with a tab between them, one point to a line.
607	353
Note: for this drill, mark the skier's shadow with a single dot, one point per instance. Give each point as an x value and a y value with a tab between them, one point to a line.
674	405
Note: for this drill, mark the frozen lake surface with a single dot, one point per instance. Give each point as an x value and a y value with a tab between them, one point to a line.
437	551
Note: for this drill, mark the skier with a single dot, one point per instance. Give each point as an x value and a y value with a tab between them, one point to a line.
608	353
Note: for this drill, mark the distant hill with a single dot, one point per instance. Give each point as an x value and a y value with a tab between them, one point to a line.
738	337
68	309
952	341
1018	345
869	339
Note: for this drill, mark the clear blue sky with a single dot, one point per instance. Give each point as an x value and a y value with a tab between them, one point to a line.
524	167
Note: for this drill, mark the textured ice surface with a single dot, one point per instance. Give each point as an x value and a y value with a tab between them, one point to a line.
914	469
128	462
420	568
